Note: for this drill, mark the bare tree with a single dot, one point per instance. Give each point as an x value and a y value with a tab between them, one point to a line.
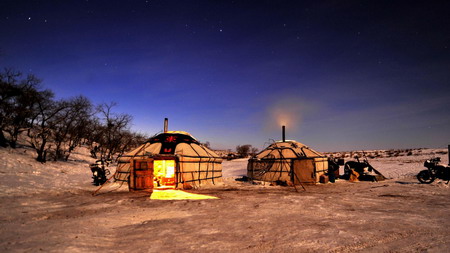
93	135
62	124
253	151
115	129
206	144
70	126
42	124
243	150
8	92
17	100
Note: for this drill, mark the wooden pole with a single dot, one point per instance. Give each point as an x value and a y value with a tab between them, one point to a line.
101	186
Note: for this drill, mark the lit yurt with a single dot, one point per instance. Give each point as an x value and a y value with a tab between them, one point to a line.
173	159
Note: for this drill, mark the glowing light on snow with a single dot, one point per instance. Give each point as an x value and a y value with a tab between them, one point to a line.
177	195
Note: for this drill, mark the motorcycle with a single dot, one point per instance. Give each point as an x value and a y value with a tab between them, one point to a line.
99	172
364	170
434	170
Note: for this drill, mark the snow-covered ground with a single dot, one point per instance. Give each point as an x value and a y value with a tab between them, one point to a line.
22	174
234	168
407	166
49	207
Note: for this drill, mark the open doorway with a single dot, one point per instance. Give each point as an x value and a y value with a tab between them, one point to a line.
164	173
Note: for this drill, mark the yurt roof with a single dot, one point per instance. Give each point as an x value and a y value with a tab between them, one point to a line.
172	143
288	149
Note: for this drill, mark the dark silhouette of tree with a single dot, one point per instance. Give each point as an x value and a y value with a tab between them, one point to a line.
131	140
17	101
8	93
243	150
57	127
93	135
206	144
43	124
70	126
253	151
114	130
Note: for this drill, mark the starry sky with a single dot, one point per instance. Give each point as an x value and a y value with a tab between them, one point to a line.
341	75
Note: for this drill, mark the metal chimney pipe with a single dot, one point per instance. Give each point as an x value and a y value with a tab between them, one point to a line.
166	125
283	132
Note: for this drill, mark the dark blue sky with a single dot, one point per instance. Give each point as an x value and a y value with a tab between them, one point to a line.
340	74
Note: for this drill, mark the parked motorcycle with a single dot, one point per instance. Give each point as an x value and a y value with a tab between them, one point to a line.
364	170
99	172
434	170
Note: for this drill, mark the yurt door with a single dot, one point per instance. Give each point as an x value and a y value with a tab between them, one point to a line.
304	171
141	174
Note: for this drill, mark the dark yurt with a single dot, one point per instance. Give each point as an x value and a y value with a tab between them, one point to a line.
289	162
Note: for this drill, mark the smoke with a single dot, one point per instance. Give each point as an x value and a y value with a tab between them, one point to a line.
287	111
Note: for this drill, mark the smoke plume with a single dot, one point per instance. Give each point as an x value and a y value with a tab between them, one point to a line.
287	111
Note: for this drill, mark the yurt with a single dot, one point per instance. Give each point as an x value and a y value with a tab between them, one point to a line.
289	162
172	159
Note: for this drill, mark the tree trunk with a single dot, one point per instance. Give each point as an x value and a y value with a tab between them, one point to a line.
40	157
3	140
14	137
42	153
13	144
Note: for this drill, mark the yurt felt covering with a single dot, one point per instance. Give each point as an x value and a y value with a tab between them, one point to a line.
195	164
289	162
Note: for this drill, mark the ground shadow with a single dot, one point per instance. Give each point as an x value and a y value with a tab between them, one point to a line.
403	182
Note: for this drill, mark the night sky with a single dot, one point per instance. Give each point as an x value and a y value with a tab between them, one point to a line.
342	75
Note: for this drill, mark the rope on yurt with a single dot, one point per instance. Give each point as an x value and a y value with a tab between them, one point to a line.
132	157
261	172
211	157
282	159
271	141
207	164
273	173
181	171
184	172
280	164
199	164
203	159
177	172
207	169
